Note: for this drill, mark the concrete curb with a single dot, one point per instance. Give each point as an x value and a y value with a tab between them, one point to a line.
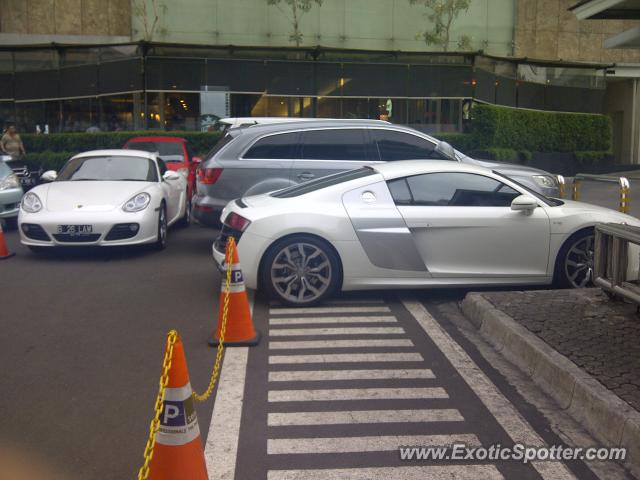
606	416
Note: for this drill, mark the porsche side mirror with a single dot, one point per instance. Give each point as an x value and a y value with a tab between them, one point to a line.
171	175
196	160
524	203
49	176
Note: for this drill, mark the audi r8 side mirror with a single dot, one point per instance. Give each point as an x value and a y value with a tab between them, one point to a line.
524	203
447	150
49	176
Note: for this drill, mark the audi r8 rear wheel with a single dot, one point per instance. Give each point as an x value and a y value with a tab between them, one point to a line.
301	270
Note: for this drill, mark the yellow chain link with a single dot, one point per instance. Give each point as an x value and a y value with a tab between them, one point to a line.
231	245
143	473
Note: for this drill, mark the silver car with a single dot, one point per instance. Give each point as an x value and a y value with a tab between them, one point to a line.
263	158
10	195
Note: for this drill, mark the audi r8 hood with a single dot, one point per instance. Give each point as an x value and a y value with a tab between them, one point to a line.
95	196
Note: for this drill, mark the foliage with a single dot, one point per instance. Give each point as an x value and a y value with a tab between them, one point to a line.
298	9
74	143
592	157
442	13
537	131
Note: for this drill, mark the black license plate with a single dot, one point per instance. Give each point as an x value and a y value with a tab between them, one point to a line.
75	229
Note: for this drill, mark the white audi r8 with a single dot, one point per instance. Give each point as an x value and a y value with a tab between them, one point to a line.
104	197
410	224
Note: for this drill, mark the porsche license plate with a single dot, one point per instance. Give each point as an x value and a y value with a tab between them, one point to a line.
75	229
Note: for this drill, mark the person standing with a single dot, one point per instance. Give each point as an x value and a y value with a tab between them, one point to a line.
11	143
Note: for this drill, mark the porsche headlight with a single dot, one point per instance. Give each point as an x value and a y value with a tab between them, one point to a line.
546	181
31	203
10	181
137	203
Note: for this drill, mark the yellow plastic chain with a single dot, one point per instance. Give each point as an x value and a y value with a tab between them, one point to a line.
231	245
143	473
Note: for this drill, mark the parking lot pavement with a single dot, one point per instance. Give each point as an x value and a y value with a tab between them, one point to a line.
334	391
81	348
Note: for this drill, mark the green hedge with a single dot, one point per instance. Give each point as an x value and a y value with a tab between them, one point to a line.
536	131
200	143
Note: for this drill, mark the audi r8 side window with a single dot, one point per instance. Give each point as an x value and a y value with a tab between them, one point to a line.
452	190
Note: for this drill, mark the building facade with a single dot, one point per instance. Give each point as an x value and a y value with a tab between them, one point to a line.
154	64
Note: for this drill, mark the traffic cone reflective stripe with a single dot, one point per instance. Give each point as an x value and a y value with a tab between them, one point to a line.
240	330
178	453
4	251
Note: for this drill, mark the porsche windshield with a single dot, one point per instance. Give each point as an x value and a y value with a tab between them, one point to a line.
109	168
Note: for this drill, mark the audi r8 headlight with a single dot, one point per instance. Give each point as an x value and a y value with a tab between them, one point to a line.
546	181
31	203
10	181
137	203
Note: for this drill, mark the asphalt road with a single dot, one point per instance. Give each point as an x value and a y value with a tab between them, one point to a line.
82	340
81	348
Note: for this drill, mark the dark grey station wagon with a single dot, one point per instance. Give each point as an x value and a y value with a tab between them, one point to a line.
263	158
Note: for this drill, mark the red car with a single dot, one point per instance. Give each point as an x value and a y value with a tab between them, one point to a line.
174	151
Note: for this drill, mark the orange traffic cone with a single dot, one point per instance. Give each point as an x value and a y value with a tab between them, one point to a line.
178	453
239	330
4	251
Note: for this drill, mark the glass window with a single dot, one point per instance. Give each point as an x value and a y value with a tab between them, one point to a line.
403	146
281	146
323	182
162	167
453	190
334	144
111	168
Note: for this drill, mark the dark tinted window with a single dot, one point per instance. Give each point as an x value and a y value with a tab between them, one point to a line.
323	182
280	146
169	151
452	190
334	144
403	146
162	166
221	143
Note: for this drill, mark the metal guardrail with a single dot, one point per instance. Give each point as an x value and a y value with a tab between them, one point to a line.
611	259
623	183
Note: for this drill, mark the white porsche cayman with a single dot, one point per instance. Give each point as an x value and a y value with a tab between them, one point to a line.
409	224
104	197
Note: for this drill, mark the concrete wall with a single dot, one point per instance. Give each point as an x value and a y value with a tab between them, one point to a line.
66	17
361	24
545	29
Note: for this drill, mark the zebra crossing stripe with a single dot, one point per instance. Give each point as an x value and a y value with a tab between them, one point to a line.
347	357
355	319
310	344
287	446
316	375
300	311
363	416
285	332
435	472
355	394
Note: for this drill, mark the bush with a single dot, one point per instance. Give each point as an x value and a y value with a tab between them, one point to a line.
537	131
200	142
592	158
497	154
